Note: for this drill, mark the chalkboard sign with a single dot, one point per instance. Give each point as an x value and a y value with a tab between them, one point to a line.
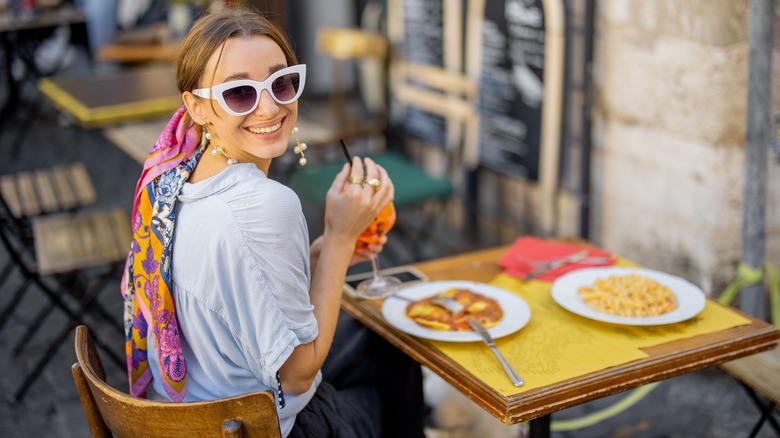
511	87
423	38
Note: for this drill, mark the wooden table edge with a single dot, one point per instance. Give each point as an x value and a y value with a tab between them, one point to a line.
141	52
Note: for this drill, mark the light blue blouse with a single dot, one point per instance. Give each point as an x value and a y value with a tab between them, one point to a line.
241	286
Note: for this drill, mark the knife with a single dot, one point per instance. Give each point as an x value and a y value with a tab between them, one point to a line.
577	256
480	329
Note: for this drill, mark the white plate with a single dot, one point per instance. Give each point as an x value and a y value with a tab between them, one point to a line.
690	299
516	310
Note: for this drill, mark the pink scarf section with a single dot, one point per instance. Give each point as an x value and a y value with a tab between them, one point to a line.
148	297
175	144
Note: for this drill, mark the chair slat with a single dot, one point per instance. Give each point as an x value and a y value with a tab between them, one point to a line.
87	229
84	189
101	245
122	232
52	242
29	199
10	194
65	193
47	195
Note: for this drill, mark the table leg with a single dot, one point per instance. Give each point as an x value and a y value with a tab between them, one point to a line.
539	427
12	91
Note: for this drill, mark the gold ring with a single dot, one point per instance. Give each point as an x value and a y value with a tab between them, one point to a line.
354	179
374	183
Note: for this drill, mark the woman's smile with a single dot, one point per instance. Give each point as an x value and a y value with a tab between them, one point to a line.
265	130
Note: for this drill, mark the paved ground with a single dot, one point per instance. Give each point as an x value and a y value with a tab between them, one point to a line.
702	404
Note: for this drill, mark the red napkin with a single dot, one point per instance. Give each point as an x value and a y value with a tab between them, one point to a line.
517	261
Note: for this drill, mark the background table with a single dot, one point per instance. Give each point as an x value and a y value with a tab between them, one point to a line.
132	53
20	38
113	97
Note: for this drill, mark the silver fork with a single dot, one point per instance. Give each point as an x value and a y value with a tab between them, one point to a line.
457	308
545	265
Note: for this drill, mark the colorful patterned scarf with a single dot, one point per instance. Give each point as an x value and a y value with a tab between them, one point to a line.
147	282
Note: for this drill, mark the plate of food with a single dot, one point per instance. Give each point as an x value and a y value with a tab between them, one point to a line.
630	296
499	310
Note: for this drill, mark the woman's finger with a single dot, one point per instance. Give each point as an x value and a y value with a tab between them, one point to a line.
356	176
341	178
377	247
372	170
386	191
372	176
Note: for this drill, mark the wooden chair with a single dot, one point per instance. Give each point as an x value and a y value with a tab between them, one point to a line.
28	194
369	52
760	376
110	411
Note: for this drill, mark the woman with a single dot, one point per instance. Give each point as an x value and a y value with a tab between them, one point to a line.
223	294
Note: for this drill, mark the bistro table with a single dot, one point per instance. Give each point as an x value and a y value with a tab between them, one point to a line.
20	37
108	98
134	53
670	350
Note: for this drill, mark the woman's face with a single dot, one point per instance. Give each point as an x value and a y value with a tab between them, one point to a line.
264	133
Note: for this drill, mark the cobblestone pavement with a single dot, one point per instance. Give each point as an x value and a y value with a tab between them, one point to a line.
702	404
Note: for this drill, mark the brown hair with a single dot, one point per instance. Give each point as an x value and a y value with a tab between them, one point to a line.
210	33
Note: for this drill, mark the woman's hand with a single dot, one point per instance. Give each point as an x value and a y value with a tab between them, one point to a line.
362	255
351	206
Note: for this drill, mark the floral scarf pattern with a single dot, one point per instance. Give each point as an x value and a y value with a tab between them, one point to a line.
147	282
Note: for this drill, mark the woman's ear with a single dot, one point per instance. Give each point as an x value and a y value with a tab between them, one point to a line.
194	106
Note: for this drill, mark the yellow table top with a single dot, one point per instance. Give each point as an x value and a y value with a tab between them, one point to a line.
127	94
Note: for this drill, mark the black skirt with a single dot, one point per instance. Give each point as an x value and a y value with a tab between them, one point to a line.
369	389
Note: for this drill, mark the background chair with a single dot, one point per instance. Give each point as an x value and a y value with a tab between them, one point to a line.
110	411
416	190
65	250
28	194
760	376
366	116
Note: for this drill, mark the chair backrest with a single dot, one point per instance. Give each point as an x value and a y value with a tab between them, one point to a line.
110	411
369	51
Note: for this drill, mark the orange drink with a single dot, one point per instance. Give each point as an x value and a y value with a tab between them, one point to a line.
378	228
378	286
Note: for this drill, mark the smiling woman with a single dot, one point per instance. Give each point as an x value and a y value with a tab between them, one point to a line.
223	293
254	119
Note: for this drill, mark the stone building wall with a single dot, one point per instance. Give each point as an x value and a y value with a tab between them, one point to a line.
669	132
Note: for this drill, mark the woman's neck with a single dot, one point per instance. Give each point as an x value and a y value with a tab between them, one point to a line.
212	163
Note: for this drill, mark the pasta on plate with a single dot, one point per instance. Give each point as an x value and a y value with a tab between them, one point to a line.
629	295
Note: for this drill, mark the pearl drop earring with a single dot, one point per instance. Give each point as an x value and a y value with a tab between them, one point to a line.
299	148
206	137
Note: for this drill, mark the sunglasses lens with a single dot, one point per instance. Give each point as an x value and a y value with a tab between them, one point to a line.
240	99
286	87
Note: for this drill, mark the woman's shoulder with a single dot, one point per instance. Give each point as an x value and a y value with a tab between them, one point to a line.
256	201
254	188
240	183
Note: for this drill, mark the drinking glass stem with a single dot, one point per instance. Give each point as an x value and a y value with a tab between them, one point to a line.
375	267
